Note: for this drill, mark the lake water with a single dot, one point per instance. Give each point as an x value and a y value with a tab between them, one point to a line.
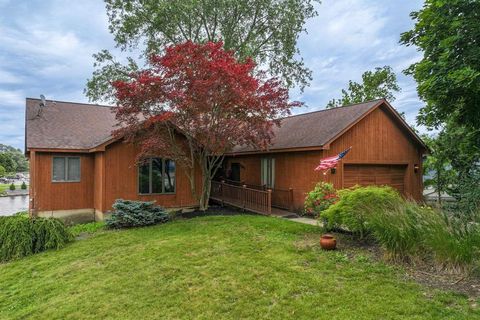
11	205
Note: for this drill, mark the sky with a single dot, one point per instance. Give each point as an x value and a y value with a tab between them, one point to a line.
46	47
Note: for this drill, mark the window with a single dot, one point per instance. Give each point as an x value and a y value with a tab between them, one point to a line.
156	175
268	172
66	169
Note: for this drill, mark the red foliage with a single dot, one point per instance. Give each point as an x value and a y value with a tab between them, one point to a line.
203	92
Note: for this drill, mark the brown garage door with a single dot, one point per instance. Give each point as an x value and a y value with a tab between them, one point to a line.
374	174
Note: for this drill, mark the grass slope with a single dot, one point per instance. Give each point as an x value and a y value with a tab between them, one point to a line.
212	268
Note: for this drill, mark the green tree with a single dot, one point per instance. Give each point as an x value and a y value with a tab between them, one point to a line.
7	161
2	171
448	80
377	84
437	168
16	155
265	30
448	76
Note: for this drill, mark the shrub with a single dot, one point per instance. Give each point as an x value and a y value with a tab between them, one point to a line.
399	229
453	239
356	205
49	233
24	186
21	236
319	199
12	186
16	238
127	213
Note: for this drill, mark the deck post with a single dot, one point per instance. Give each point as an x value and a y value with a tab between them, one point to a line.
290	199
269	201
244	196
221	192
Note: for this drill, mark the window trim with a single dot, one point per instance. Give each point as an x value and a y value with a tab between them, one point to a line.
66	180
150	178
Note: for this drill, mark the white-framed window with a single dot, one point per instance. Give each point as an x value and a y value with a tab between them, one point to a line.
156	176
66	169
268	172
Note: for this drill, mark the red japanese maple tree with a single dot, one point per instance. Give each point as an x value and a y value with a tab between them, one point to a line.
195	103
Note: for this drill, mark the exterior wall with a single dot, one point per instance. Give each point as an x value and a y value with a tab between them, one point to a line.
121	180
47	196
105	176
376	139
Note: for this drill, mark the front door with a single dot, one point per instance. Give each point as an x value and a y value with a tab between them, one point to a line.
235	172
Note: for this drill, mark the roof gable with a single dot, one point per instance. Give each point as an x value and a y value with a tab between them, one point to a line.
67	125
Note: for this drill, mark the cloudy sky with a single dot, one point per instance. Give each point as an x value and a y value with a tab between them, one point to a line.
46	47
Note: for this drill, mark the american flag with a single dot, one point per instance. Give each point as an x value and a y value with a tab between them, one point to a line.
330	162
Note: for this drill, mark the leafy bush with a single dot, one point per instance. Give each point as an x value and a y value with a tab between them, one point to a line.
12	187
90	228
454	239
24	186
21	236
16	238
128	213
49	233
319	199
399	229
356	205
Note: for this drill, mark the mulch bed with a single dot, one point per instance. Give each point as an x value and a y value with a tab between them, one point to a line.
422	272
214	210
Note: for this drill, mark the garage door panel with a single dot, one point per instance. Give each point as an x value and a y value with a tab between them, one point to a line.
374	174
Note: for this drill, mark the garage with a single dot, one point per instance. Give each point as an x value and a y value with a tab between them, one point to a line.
375	174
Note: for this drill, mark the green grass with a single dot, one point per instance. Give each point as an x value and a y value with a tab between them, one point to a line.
233	267
89	228
5	187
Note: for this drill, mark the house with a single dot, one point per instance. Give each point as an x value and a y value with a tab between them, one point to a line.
77	169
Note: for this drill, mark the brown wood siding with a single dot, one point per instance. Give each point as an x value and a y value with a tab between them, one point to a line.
50	195
121	180
377	139
99	182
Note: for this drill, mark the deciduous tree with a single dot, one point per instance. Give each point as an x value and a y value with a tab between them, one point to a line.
195	103
264	30
381	83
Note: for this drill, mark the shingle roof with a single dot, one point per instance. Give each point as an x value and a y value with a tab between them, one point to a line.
67	125
314	129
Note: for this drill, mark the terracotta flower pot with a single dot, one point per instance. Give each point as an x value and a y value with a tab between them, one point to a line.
328	242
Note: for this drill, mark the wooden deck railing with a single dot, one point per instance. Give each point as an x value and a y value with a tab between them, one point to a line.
259	201
283	199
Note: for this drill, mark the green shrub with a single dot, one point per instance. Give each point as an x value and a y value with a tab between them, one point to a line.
12	186
453	239
356	205
90	228
49	233
24	186
16	238
21	236
399	229
128	213
319	199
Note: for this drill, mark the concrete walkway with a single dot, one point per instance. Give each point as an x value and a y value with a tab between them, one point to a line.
284	214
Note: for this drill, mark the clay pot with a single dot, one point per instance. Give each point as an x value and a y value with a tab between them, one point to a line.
328	242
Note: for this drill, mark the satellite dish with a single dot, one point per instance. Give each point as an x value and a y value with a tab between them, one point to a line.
44	102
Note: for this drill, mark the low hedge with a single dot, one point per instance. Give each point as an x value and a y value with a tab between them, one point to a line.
21	236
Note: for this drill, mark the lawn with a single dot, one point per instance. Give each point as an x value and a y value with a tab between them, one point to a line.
217	267
5	187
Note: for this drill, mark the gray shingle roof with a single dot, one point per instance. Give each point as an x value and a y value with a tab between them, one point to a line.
68	125
314	129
